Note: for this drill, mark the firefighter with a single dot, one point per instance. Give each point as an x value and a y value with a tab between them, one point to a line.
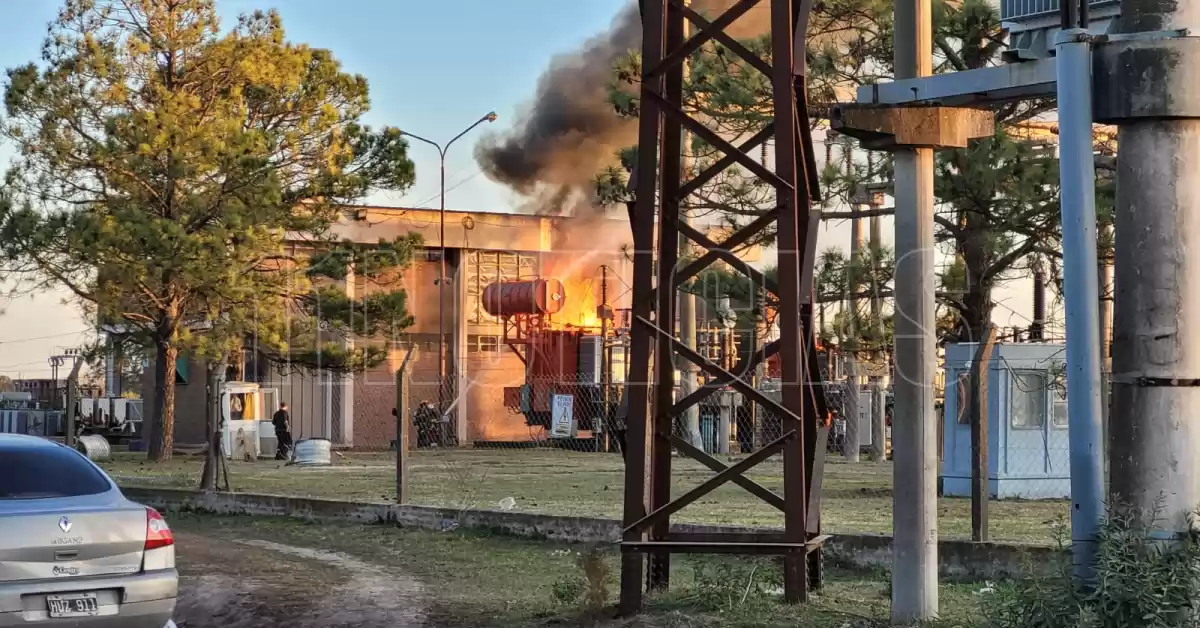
618	422
426	421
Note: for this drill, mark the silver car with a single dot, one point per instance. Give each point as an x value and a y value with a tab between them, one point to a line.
73	550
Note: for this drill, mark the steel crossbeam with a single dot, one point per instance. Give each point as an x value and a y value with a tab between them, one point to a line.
659	189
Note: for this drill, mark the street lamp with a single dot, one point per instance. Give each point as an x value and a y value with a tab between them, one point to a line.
490	117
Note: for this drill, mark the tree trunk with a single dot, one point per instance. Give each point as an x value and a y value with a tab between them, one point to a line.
977	312
215	424
161	438
977	315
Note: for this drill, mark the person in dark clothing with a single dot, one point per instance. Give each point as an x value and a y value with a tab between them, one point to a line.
283	432
620	421
426	422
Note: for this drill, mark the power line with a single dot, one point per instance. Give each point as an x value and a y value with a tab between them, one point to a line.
449	189
455	186
69	333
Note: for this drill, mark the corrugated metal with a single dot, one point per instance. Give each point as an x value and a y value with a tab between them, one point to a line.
314	452
1018	10
95	447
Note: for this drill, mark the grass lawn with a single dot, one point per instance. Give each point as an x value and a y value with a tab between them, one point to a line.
476	580
856	498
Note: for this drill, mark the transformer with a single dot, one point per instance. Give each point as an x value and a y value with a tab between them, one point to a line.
558	362
537	297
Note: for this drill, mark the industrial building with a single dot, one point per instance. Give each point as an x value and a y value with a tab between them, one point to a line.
588	255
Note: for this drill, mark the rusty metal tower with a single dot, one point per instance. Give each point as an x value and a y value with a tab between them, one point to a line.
658	177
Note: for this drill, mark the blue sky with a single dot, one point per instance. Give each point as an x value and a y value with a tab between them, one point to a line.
434	68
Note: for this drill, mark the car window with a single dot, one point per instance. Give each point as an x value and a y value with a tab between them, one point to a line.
48	472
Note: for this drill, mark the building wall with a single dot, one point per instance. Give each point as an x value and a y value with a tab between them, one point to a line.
356	411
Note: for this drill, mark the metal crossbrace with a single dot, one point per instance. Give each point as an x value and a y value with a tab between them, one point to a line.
712	484
756	276
744	366
658	177
707	32
735	241
679	116
701	456
739	384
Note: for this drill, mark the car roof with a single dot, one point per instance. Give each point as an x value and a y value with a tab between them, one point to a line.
12	442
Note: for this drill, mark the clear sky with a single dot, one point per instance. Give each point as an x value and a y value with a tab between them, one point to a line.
434	68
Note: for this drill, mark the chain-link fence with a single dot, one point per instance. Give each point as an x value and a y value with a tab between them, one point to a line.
1024	411
501	438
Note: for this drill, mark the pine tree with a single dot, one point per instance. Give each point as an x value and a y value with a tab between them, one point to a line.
997	200
163	164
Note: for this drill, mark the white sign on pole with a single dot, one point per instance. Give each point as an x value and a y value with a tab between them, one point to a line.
562	419
865	402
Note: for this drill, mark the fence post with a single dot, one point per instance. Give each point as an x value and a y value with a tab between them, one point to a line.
72	398
402	424
978	403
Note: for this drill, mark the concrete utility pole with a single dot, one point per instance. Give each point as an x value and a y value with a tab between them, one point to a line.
914	427
1147	87
878	392
1106	299
1077	176
689	375
853	445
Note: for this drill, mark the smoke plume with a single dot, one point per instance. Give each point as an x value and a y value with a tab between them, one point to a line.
570	131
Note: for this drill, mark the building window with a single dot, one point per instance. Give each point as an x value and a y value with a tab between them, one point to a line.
489	344
1059	397
1028	409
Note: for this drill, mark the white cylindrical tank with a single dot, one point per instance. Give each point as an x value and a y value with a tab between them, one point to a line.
312	452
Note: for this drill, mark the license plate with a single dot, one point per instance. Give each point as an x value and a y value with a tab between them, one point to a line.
76	605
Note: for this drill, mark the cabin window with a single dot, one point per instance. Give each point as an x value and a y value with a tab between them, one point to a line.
1028	409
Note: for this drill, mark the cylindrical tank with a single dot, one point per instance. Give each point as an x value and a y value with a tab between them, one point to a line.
312	452
94	446
536	296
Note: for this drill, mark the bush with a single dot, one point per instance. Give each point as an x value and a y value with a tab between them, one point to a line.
1141	581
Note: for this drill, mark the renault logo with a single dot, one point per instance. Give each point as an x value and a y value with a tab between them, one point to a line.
64	524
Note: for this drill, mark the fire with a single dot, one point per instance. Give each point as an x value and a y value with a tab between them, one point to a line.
584	246
583	295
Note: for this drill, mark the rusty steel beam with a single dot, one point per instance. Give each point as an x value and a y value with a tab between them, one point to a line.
791	257
706	175
725	40
756	489
658	176
722	547
735	240
642	223
727	537
660	514
680	117
670	172
681	52
709	367
755	275
768	350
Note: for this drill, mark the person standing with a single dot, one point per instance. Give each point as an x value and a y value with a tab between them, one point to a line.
283	432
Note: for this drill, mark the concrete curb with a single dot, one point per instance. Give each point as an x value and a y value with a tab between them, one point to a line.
958	559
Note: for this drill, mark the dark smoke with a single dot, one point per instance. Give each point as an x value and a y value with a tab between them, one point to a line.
570	132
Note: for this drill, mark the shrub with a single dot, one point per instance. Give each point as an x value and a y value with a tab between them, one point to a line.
1141	581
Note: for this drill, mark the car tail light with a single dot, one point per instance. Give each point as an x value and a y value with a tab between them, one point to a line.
158	534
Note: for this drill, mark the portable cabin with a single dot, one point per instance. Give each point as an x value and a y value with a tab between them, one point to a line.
1028	453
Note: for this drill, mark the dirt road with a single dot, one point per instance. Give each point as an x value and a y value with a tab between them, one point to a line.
230	583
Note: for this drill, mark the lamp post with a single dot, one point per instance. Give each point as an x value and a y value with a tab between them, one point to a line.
490	117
